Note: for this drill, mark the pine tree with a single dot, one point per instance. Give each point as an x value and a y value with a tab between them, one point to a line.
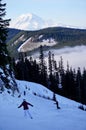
4	23
50	63
61	66
84	86
50	70
79	84
5	61
55	74
43	68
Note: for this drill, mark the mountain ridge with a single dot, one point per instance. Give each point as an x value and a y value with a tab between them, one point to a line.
60	35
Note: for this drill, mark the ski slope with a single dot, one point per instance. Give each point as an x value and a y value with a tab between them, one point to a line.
44	112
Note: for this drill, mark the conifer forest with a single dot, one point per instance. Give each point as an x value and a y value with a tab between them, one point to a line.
68	82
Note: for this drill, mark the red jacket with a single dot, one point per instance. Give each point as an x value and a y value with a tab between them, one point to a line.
25	105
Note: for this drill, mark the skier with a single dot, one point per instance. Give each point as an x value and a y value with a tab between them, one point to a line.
25	107
57	104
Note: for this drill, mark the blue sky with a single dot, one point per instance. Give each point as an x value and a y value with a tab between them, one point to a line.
67	12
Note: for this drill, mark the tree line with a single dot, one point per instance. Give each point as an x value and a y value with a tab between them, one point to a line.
68	82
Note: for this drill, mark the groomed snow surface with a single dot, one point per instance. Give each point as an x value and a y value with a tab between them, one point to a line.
45	114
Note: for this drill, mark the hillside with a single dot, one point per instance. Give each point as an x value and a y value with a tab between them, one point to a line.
51	38
11	33
45	114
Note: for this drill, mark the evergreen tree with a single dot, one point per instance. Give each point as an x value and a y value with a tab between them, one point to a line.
55	75
79	84
84	86
43	68
61	66
4	23
36	72
50	69
72	84
50	62
61	75
5	61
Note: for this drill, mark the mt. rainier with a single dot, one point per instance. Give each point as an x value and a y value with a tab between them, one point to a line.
30	22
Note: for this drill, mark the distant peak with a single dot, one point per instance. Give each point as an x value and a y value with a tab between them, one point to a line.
30	21
26	15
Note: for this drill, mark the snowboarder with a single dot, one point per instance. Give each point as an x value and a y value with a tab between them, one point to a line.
26	108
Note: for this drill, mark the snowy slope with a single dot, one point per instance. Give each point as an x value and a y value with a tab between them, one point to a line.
45	115
30	21
28	45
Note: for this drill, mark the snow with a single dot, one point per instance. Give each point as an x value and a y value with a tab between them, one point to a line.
44	112
20	48
29	45
31	21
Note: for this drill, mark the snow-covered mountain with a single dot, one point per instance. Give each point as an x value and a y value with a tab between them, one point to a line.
30	22
44	112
